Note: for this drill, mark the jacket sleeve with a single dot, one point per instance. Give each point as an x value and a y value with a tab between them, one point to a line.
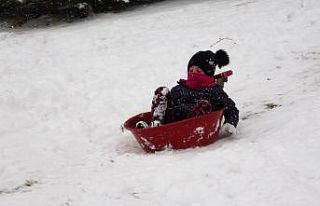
181	107
231	113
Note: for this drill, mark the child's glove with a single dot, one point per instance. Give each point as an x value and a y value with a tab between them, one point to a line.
227	130
202	107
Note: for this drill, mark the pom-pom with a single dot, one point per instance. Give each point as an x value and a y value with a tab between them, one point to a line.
221	58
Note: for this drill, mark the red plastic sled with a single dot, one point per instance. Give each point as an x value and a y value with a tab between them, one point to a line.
192	132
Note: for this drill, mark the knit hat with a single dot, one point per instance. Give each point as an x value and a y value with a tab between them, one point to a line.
207	60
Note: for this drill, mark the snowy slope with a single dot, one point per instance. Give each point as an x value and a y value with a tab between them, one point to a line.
65	90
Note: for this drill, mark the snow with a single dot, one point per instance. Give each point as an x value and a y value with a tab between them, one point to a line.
81	5
199	130
65	91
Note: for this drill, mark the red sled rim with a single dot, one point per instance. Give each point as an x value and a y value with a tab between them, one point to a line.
193	132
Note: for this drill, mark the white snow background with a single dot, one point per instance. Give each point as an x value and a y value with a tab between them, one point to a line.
65	90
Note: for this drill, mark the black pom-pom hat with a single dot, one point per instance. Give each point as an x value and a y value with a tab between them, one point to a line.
207	60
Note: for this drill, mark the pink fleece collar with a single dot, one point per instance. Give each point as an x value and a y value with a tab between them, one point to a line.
198	81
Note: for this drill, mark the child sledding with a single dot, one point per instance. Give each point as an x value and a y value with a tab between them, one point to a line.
188	106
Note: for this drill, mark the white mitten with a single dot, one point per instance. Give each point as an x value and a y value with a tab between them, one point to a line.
228	130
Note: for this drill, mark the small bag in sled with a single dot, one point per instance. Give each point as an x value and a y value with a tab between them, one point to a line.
193	132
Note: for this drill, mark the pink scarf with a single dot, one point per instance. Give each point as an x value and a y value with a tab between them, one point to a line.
199	81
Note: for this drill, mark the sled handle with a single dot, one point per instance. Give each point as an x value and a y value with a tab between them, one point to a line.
223	75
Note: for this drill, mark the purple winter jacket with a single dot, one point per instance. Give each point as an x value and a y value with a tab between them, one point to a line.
183	99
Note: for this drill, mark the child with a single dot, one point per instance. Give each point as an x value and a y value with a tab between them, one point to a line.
197	95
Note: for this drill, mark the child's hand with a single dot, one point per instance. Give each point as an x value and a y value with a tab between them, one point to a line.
228	130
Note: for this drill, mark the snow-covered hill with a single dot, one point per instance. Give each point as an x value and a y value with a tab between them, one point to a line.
65	90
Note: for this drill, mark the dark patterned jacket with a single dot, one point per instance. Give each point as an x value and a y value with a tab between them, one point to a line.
183	100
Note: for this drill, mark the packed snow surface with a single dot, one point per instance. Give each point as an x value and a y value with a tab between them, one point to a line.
66	89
